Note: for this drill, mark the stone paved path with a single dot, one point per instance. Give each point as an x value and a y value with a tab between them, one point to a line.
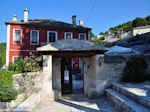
75	103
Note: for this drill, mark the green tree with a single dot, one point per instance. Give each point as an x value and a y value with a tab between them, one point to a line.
139	22
135	70
101	33
91	34
148	20
2	54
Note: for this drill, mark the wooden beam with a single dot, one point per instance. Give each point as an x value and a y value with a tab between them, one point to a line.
72	53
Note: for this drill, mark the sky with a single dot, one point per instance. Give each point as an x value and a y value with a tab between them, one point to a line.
99	15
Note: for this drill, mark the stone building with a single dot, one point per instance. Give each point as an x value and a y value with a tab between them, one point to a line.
141	30
57	64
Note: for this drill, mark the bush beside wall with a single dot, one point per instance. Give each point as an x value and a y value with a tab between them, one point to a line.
7	93
135	70
26	64
6	77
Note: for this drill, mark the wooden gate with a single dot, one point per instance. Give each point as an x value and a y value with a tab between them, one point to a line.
66	76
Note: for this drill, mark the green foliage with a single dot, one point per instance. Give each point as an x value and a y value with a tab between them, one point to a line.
18	66
139	22
2	54
33	65
98	41
7	93
91	34
148	20
135	70
6	77
27	65
101	33
128	26
119	36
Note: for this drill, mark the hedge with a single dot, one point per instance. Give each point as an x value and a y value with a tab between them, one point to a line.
6	77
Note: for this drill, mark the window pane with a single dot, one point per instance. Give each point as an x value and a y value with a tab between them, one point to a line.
52	37
68	36
34	38
17	36
82	37
16	59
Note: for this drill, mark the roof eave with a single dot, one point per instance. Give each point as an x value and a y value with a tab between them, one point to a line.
22	23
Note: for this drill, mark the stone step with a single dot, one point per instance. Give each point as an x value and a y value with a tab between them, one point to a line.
123	103
133	93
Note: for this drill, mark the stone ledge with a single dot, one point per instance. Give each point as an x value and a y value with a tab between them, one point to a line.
29	104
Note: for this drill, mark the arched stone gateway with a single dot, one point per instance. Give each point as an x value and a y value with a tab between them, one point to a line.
66	60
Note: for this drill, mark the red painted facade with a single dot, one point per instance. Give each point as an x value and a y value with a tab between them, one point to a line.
25	49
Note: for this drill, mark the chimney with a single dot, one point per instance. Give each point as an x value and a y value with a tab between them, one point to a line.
74	20
14	18
26	15
81	23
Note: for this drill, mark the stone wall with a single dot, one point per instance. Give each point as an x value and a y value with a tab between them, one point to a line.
99	72
24	82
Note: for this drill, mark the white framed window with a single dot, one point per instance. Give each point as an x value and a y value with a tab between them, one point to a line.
17	36
68	35
34	37
82	36
15	58
52	36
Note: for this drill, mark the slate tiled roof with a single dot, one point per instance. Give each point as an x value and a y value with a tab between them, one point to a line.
47	23
71	45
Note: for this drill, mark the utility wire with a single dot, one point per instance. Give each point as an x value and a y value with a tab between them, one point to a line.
92	9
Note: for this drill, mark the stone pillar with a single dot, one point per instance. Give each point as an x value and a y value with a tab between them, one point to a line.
89	76
56	78
93	86
47	90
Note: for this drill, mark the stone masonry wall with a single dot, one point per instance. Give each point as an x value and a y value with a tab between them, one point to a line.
24	82
108	69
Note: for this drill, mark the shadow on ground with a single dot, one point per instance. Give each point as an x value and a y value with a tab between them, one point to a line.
79	107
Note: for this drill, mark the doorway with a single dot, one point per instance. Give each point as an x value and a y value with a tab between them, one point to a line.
72	76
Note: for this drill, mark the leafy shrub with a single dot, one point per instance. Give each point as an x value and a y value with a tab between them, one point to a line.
98	41
2	54
27	65
7	93
6	77
18	66
135	70
33	65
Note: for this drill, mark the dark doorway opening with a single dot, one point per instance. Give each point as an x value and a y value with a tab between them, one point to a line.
72	76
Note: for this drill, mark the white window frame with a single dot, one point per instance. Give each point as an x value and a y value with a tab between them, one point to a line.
14	36
13	58
56	38
70	33
82	34
37	37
